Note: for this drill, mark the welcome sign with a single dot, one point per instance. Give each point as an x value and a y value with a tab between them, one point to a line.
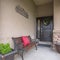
21	11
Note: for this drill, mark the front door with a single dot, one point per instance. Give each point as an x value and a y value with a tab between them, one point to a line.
46	28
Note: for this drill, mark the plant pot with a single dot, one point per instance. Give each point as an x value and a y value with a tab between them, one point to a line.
57	47
9	56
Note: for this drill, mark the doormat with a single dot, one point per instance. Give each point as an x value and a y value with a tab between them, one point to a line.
44	45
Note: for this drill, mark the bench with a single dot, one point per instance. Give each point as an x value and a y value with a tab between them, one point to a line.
18	45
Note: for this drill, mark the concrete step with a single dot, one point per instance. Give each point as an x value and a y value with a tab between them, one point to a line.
48	43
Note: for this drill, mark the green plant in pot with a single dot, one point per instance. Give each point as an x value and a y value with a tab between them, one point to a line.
6	52
5	48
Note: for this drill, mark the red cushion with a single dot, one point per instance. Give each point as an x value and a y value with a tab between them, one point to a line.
25	40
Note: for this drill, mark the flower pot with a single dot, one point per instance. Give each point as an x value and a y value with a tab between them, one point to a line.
9	56
57	47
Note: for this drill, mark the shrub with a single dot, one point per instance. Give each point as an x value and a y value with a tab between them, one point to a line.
5	48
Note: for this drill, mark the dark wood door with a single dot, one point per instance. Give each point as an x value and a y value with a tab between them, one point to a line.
46	28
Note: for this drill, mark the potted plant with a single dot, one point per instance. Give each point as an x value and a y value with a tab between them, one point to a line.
6	52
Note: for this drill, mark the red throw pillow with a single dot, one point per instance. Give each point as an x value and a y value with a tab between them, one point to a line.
25	40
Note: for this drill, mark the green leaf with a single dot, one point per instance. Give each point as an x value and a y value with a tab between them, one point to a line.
5	48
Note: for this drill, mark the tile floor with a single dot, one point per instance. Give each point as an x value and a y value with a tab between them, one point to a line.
43	53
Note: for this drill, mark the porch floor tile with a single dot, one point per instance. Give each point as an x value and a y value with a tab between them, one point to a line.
43	53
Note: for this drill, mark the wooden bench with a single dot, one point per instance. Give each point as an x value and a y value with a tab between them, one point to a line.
18	45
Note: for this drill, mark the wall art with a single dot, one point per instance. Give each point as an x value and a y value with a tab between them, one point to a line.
21	11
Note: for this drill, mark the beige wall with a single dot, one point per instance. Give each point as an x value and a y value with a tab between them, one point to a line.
14	24
56	15
0	20
45	10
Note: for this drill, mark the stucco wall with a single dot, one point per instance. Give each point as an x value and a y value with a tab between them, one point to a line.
0	20
45	10
56	15
14	24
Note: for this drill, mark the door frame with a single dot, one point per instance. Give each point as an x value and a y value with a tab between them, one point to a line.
40	25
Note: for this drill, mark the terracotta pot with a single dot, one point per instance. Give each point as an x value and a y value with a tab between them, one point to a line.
57	48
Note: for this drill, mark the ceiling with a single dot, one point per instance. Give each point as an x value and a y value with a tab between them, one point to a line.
40	2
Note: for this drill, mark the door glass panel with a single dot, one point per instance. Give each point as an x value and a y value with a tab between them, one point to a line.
38	28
